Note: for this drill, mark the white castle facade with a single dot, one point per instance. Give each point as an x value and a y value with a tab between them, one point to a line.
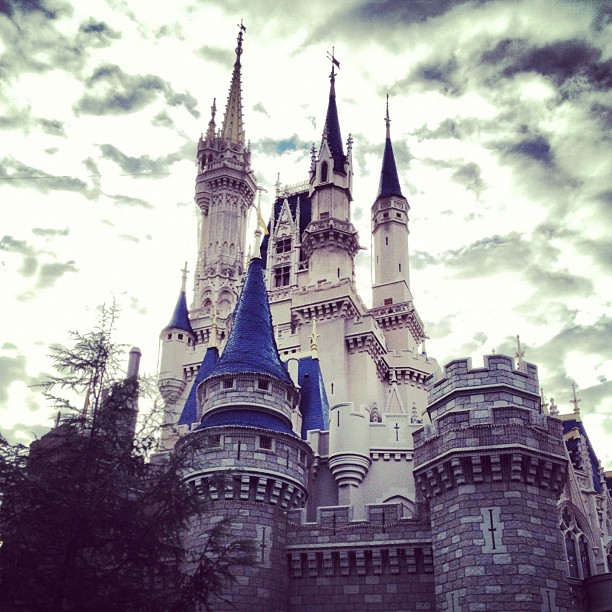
369	478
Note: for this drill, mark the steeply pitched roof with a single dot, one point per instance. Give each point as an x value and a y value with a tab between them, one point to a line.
332	128
232	129
189	415
313	398
251	346
572	447
303	221
180	316
389	184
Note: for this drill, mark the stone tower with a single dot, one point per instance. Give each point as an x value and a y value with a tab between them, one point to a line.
225	188
492	466
247	404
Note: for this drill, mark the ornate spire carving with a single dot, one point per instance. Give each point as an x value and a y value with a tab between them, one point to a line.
232	129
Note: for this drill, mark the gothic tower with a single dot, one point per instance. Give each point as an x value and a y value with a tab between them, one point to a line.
225	188
330	241
247	403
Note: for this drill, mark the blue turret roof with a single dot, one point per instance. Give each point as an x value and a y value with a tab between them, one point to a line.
332	127
251	346
190	410
180	316
313	399
246	418
389	184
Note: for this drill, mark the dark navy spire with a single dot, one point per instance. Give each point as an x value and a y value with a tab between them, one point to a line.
251	346
389	182
180	316
332	125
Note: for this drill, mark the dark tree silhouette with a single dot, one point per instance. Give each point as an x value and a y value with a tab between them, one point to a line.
86	523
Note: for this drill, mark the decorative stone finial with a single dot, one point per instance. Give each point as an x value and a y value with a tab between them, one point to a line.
520	351
212	340
575	399
387	120
185	271
554	409
543	401
314	346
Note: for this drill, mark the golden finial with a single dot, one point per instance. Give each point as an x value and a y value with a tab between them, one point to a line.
554	409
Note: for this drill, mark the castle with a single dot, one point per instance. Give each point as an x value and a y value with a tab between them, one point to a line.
368	478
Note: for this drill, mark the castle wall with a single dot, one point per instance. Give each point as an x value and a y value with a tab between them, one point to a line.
380	563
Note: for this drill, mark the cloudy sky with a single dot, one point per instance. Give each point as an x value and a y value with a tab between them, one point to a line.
501	116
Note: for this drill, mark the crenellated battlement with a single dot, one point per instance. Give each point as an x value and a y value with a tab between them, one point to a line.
497	384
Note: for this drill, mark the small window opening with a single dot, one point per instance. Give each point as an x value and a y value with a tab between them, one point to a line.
385	215
281	276
264	385
332	388
180	336
265	442
338	272
283	245
388	301
386	239
400	267
228	383
169	336
324	171
302	457
324	215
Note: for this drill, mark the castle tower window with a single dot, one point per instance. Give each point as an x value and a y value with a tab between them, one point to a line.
264	385
169	336
324	172
281	276
228	383
265	442
577	548
388	301
180	336
283	245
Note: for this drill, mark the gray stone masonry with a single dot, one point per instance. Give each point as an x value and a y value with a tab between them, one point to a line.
492	467
381	563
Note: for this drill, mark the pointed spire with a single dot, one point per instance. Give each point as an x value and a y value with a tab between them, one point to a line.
331	131
232	129
210	133
180	316
575	399
251	346
389	184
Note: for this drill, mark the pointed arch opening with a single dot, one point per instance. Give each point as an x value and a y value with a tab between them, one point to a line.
324	172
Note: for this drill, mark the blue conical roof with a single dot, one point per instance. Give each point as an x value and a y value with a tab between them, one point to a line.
334	136
314	405
389	184
251	346
180	316
189	415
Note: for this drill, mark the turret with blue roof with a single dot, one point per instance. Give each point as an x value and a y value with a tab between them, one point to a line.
389	184
249	385
176	338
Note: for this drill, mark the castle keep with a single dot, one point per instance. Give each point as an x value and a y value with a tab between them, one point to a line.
368	478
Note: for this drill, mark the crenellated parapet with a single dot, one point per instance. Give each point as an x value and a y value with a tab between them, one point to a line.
492	467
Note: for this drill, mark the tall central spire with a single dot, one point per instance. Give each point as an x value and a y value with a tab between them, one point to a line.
332	124
389	184
232	129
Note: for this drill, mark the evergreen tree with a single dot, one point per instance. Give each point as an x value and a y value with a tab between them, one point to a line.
86	523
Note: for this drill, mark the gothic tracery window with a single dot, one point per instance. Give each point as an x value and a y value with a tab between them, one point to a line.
283	245
282	276
577	547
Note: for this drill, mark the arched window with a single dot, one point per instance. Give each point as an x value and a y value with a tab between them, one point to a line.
577	547
324	172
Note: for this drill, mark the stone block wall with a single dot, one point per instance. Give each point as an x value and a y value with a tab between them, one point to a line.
492	467
381	563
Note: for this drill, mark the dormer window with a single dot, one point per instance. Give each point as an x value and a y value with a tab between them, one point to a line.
283	245
324	172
